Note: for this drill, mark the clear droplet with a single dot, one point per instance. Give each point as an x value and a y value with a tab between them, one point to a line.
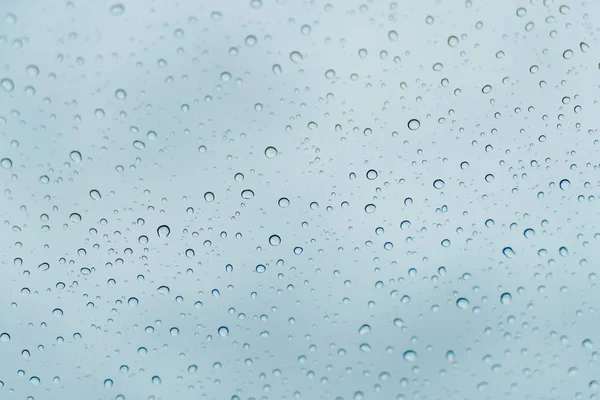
7	84
223	331
274	240
462	303
163	231
414	124
117	10
6	163
271	152
75	156
95	195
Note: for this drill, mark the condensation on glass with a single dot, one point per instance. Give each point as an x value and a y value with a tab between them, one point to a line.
277	199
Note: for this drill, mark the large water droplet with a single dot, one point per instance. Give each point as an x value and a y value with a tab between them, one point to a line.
163	231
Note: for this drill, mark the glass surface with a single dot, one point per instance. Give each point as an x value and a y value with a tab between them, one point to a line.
281	199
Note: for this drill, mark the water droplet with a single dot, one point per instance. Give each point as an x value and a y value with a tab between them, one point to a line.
95	195
225	76
528	233
462	303
6	163
567	54
223	331
260	268
410	356
274	240
163	290
163	231
363	330
116	10
438	184
250	41
283	202
414	124
453	41
372	174
120	94
296	57
75	156
7	84
209	197
247	194
506	298
370	208
271	152
138	144
564	184
508	252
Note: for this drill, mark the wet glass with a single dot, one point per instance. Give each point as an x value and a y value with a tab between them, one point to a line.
277	199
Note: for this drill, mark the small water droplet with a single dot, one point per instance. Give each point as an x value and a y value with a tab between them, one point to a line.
410	356
120	94
564	184
271	152
6	163
247	194
75	156
209	197
372	174
274	240
508	252
414	124
117	10
260	268
223	331
364	329
296	57
462	303
283	202
438	184
7	84
95	195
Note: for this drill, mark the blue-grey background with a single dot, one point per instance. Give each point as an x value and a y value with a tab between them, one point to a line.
119	117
